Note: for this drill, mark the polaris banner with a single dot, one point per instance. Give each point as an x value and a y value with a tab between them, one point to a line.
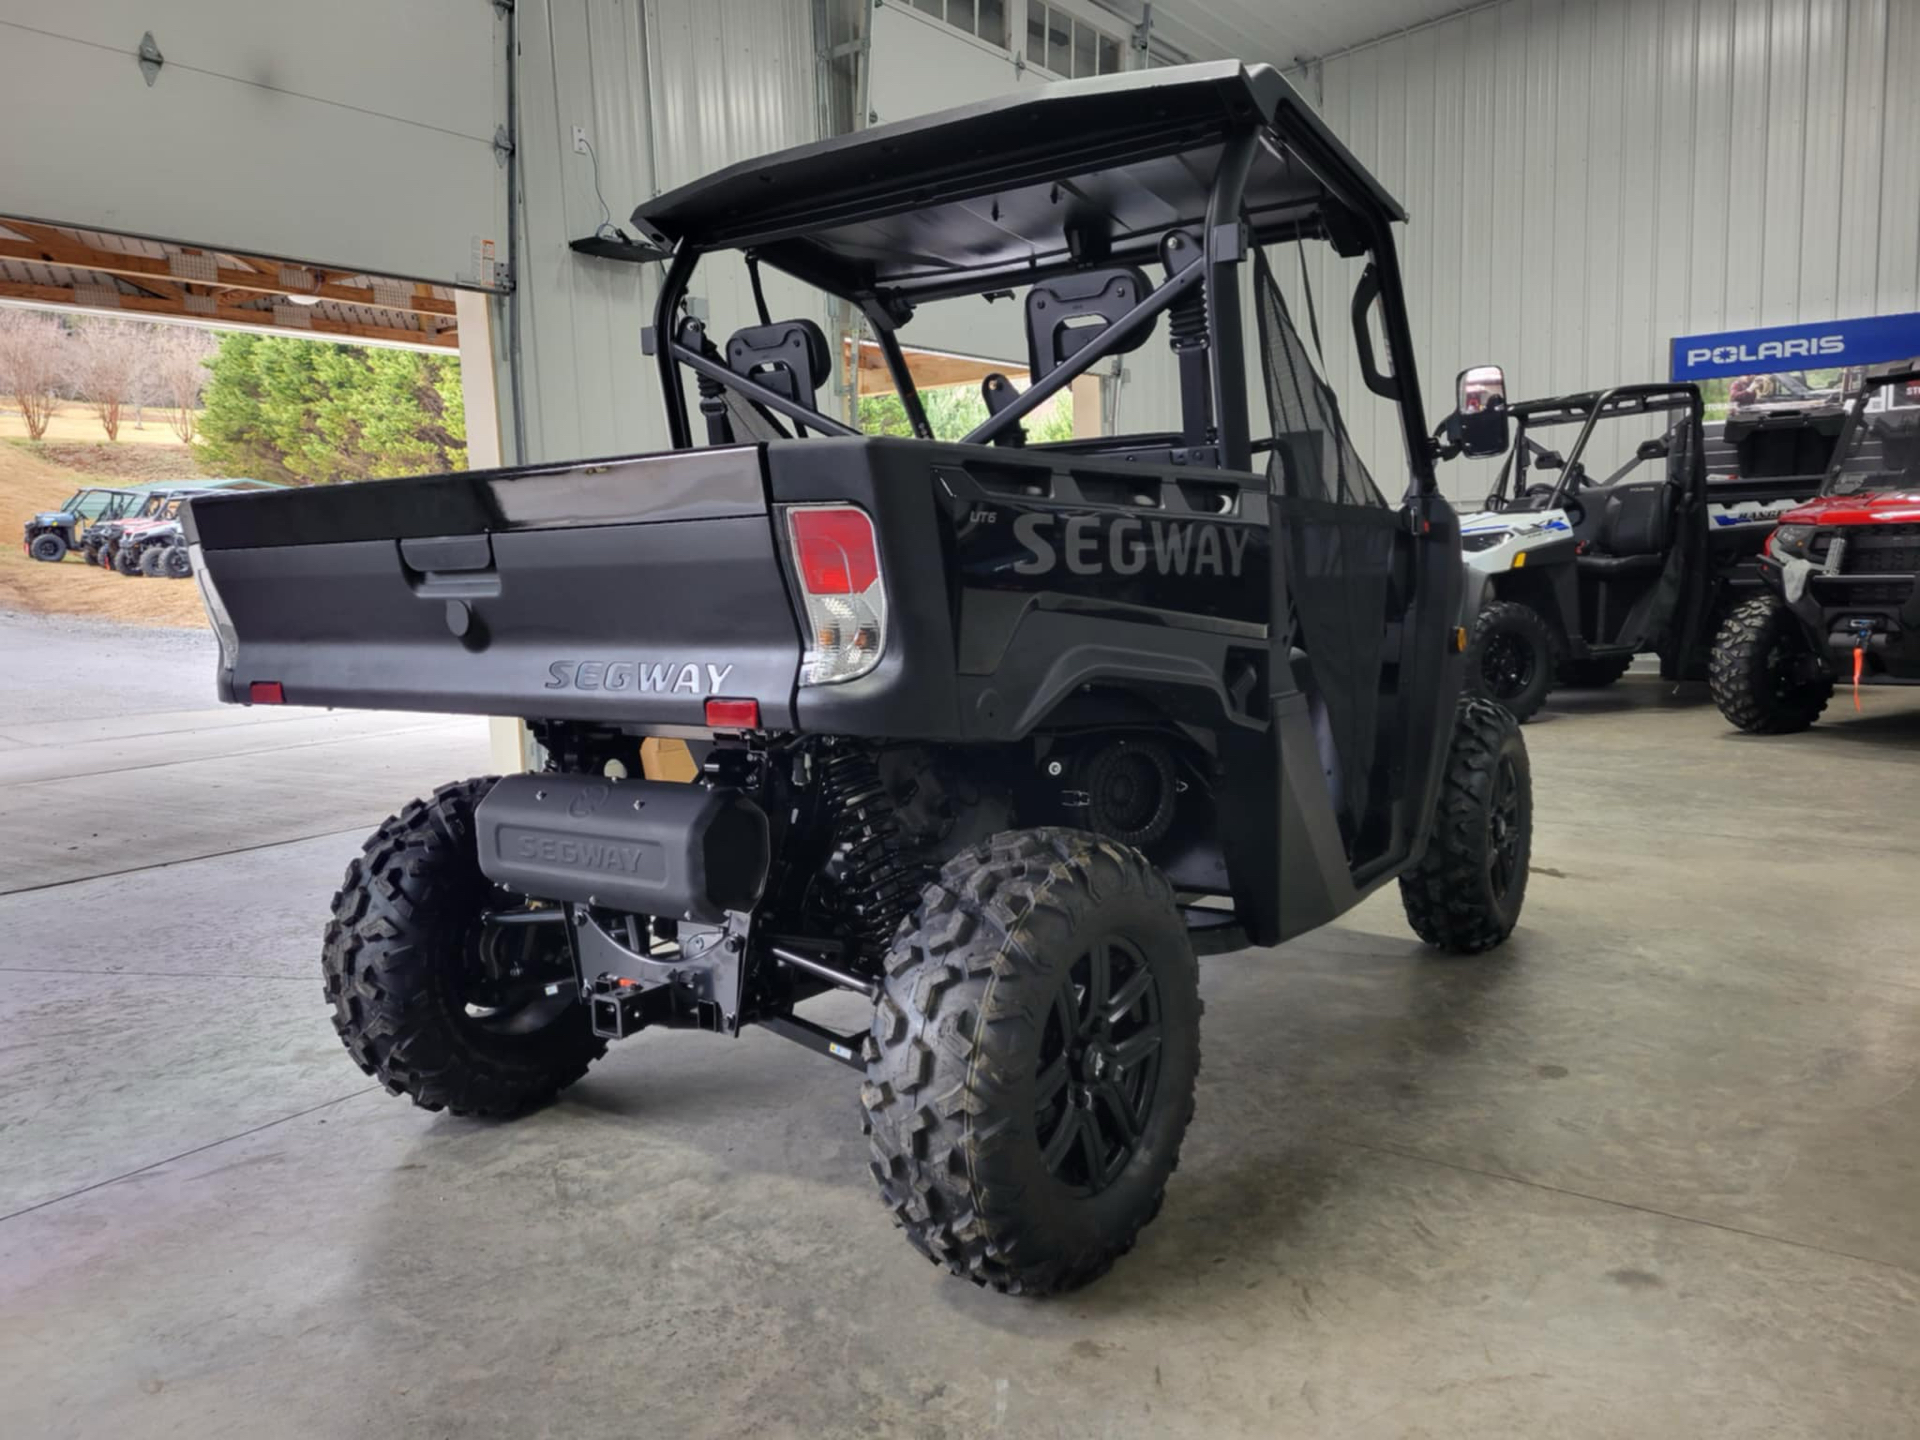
1828	344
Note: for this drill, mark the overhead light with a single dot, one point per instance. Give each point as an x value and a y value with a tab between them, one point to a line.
305	299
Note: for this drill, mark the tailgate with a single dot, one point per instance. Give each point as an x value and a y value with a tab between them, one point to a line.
621	590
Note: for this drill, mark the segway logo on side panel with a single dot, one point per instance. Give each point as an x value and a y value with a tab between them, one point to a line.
636	675
1092	545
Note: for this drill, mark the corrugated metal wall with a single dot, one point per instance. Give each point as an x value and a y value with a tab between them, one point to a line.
1589	178
687	85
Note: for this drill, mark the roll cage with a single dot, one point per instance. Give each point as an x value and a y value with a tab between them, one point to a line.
1184	169
1895	428
1587	410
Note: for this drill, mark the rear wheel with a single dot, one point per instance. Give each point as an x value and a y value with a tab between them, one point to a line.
1765	675
176	563
1512	657
48	546
1595	673
1466	892
423	993
1031	1067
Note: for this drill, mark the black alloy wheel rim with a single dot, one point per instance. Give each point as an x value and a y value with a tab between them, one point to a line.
1506	663
1503	829
1098	1075
1787	670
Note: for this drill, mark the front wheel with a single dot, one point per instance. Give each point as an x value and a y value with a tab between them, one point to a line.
1465	893
1031	1067
48	546
427	998
151	560
1512	657
1765	675
176	563
126	560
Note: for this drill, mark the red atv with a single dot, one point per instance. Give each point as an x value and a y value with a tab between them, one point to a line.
1842	575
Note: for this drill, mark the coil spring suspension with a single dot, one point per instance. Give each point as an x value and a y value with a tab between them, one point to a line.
1187	321
875	877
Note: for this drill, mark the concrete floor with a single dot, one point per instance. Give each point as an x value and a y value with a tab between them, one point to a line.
1652	1171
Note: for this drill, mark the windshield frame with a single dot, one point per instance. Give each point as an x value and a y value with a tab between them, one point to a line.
1871	384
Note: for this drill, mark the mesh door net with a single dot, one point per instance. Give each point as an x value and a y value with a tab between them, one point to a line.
1312	456
1333	538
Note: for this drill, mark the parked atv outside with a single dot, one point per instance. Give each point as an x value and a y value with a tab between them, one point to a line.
1602	558
1841	602
52	535
123	541
970	745
137	543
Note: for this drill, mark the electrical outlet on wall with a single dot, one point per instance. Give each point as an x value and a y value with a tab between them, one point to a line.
579	140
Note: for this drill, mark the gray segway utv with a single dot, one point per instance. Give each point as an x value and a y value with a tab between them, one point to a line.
991	734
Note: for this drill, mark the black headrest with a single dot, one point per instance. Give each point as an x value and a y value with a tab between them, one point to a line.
1101	296
791	347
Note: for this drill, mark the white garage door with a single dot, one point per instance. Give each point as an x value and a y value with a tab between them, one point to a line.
357	134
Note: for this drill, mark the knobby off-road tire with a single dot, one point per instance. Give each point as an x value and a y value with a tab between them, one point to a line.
48	547
1760	671
1512	657
397	952
126	560
1465	894
151	560
980	1057
176	563
1593	674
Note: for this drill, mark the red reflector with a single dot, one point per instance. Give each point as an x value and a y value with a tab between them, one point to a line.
733	714
835	549
266	692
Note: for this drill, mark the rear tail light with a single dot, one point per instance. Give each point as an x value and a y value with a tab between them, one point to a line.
267	692
733	714
838	558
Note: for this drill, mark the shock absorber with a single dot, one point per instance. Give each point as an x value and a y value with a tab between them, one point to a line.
874	879
1187	337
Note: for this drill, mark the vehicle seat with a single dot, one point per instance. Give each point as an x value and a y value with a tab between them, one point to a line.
1635	527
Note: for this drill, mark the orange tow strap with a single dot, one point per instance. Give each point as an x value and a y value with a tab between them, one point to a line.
1859	659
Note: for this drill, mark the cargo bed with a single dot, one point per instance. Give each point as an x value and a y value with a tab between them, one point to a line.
634	589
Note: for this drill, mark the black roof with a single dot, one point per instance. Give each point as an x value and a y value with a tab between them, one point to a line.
986	194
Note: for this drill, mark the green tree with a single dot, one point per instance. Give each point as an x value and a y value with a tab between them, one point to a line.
309	413
953	410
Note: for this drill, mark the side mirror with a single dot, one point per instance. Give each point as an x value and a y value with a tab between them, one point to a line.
1478	425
